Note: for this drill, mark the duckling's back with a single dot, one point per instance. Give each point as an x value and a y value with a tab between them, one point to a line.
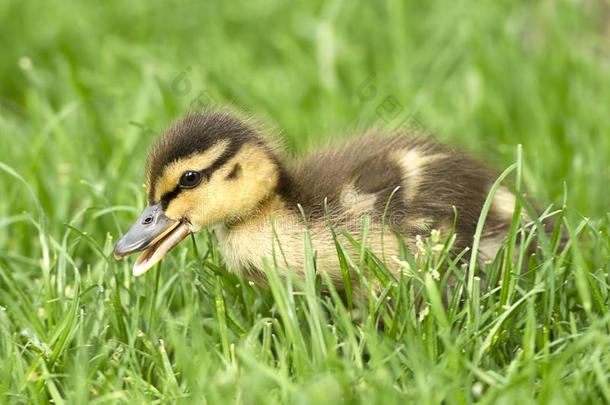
417	185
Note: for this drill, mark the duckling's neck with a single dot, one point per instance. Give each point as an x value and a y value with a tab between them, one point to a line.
271	208
247	242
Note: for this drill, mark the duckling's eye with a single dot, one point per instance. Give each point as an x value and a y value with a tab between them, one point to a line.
190	179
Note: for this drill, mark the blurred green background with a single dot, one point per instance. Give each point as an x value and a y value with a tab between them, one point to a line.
86	86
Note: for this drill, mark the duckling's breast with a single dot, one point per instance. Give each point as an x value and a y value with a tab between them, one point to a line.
279	240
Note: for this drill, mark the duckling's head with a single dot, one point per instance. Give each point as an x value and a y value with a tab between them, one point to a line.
205	170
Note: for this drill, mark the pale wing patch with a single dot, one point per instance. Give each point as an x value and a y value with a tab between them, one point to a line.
412	161
172	172
503	205
355	202
489	247
502	208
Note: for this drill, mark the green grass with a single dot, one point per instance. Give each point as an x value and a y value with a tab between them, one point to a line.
85	87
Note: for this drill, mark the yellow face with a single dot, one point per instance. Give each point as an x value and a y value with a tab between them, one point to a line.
231	173
206	197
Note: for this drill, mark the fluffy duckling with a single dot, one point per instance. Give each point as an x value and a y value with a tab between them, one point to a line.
216	170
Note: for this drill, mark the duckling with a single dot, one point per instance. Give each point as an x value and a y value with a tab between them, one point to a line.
219	171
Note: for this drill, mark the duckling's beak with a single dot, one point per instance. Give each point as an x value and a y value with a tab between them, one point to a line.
153	234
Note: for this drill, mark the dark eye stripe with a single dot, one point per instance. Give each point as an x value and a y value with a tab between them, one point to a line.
206	173
169	196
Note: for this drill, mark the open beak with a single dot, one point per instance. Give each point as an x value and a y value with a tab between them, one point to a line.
153	234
